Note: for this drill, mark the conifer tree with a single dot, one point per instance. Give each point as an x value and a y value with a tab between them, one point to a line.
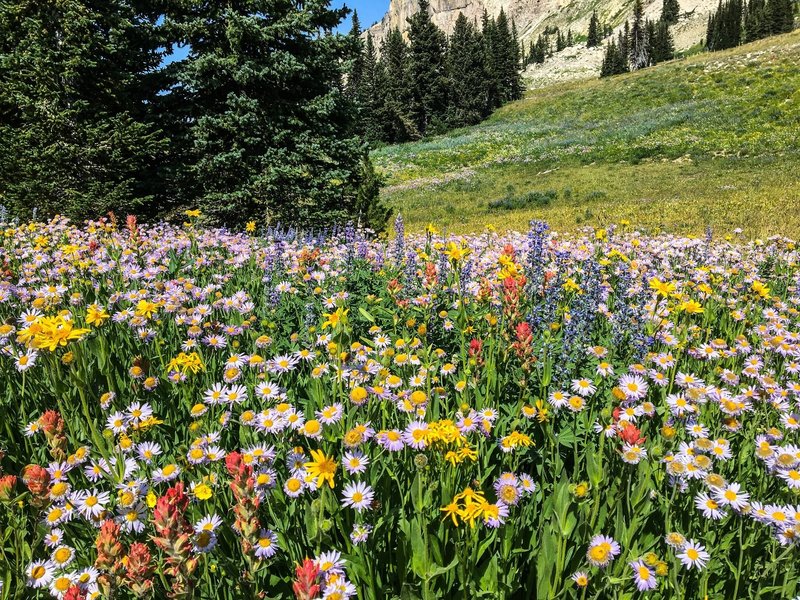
593	37
505	61
639	57
400	124
466	75
370	97
663	47
268	122
561	43
670	10
492	68
427	68
624	44
79	129
355	73
570	40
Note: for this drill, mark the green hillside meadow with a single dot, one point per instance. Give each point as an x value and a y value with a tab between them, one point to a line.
708	140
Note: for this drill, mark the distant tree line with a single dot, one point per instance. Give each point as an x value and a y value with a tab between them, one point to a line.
545	45
737	21
641	42
406	90
255	122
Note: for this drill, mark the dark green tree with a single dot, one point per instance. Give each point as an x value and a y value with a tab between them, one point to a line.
399	122
505	60
79	85
663	46
638	45
355	71
670	10
370	96
724	28
624	44
593	37
268	130
370	211
428	72
466	75
561	41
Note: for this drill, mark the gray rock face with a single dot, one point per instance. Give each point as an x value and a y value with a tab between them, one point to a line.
533	16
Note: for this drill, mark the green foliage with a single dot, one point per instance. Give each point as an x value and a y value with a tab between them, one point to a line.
528	200
724	28
670	10
371	212
256	123
708	139
466	70
432	84
267	126
428	76
593	37
76	81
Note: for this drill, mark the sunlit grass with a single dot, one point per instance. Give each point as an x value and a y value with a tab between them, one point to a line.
708	141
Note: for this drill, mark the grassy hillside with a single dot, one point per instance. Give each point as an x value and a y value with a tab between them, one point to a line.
709	140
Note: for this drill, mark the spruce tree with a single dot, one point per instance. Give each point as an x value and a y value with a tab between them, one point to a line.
79	130
639	57
268	122
570	40
355	72
428	73
399	122
670	10
492	68
593	37
624	44
561	42
505	60
663	47
369	95
466	75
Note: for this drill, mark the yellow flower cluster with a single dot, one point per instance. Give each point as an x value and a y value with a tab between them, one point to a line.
48	333
186	362
469	506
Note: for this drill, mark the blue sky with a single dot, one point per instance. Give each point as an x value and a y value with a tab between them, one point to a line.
369	12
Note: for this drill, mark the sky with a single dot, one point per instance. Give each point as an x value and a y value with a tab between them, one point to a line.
369	12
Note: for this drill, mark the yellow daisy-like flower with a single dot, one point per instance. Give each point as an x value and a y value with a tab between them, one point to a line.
322	468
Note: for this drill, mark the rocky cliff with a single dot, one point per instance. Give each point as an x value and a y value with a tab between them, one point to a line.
533	16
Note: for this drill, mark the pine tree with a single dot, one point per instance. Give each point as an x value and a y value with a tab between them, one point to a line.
670	10
355	72
593	37
663	46
639	57
399	121
268	123
369	95
624	44
614	61
428	74
79	129
561	42
370	211
725	26
505	61
466	75
570	40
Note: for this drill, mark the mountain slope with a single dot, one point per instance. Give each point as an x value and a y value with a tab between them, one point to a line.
707	140
532	16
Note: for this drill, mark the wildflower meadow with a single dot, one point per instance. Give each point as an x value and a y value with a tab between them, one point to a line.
189	412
